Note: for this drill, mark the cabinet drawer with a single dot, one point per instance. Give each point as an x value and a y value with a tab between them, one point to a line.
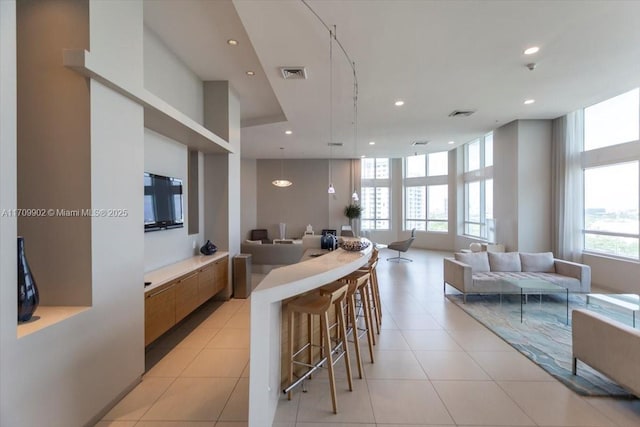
159	313
220	274
206	284
186	296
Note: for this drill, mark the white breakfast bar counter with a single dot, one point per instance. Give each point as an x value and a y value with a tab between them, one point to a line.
266	303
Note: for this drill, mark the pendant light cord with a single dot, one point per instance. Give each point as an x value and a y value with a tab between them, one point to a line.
330	105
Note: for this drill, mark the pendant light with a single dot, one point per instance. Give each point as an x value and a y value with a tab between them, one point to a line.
281	182
331	189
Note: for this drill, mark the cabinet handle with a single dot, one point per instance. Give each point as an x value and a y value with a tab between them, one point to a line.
189	276
151	295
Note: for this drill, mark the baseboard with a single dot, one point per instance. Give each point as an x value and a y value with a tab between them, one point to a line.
96	418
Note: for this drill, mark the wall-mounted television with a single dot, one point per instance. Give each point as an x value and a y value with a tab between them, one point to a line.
162	202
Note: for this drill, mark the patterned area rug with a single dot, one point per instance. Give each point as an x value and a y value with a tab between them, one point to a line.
543	336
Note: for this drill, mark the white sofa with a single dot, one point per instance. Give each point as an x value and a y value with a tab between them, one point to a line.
607	346
483	272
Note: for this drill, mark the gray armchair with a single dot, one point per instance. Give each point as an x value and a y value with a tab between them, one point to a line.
402	246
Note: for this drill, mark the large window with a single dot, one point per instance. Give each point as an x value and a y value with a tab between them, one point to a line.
613	121
612	177
426	193
478	187
376	197
611	209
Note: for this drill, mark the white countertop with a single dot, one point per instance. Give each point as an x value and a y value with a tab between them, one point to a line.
282	283
171	272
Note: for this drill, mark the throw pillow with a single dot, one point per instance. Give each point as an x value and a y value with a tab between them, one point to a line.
254	242
538	262
478	261
504	261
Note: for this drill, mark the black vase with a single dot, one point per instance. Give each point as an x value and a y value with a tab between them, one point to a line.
28	297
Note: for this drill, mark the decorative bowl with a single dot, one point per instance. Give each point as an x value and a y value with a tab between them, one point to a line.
354	245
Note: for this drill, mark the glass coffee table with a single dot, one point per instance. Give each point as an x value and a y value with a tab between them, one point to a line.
526	287
627	302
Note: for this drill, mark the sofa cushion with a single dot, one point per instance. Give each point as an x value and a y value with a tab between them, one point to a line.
504	261
479	261
538	262
253	242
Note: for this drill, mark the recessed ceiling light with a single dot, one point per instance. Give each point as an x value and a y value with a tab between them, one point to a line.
232	42
251	73
529	101
531	50
451	142
363	156
372	143
288	132
399	103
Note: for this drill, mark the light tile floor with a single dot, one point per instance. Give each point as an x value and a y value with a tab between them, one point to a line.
435	366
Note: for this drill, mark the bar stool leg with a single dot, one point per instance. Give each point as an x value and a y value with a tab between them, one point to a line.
343	333
373	304
367	321
351	308
310	335
376	290
324	320
291	350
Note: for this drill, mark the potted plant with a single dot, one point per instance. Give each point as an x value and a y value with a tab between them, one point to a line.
352	211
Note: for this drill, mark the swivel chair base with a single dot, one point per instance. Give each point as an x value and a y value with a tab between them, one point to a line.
399	258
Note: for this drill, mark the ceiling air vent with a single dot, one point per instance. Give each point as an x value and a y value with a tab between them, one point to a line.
334	144
461	113
293	73
419	143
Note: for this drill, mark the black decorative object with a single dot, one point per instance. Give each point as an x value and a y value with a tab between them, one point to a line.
28	297
208	248
329	241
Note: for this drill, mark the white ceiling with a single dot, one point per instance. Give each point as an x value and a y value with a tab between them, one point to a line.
437	56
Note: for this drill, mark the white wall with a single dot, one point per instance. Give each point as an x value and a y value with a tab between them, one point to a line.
505	184
222	187
306	201
522	185
248	197
616	275
234	182
8	200
167	157
167	77
116	40
534	185
66	374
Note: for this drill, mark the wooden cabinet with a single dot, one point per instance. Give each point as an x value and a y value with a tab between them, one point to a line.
159	312
206	284
186	295
171	302
220	274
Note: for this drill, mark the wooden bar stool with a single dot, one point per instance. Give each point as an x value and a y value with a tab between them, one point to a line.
361	280
352	320
376	305
319	305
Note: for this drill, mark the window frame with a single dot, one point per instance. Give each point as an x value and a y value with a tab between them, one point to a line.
482	175
376	183
609	155
425	182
